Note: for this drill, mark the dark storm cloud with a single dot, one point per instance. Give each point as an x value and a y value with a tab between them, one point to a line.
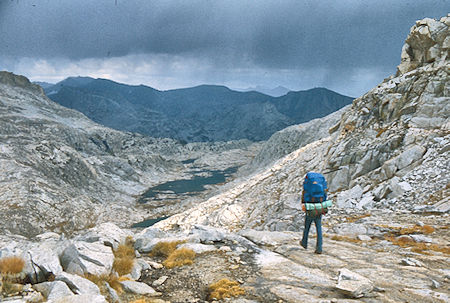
346	45
346	34
275	34
80	29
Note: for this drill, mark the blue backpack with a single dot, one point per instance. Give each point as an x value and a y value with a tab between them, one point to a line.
314	188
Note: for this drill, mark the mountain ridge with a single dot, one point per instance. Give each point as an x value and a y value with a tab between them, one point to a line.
200	113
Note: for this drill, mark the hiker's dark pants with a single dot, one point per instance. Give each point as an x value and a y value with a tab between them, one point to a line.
318	221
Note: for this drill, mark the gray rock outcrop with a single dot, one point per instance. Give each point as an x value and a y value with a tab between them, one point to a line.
139	288
43	261
353	284
78	285
87	258
428	42
53	290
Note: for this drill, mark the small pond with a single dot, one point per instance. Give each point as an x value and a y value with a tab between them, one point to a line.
173	190
188	161
188	186
147	223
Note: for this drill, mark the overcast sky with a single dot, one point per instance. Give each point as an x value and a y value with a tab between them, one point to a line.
345	45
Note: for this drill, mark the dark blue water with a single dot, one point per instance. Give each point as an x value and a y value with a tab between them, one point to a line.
148	222
185	187
189	186
188	161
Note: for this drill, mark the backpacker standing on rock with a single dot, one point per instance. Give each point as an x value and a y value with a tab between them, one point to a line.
314	200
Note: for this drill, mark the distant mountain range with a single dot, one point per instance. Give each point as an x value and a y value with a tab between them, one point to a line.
197	114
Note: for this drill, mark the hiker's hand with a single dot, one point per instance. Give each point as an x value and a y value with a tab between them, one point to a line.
303	207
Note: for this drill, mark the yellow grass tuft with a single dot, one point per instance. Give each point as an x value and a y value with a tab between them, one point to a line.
121	279
423	247
124	258
11	265
355	218
99	280
129	241
124	250
164	249
417	229
123	265
225	289
180	257
345	238
402	242
418	247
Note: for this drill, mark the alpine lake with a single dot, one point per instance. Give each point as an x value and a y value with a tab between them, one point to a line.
179	189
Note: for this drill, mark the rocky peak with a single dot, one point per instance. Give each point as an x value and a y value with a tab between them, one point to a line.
19	81
428	42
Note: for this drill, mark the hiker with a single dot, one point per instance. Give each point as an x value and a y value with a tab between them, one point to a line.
314	203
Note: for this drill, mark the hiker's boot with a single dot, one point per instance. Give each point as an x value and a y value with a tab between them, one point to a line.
303	245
